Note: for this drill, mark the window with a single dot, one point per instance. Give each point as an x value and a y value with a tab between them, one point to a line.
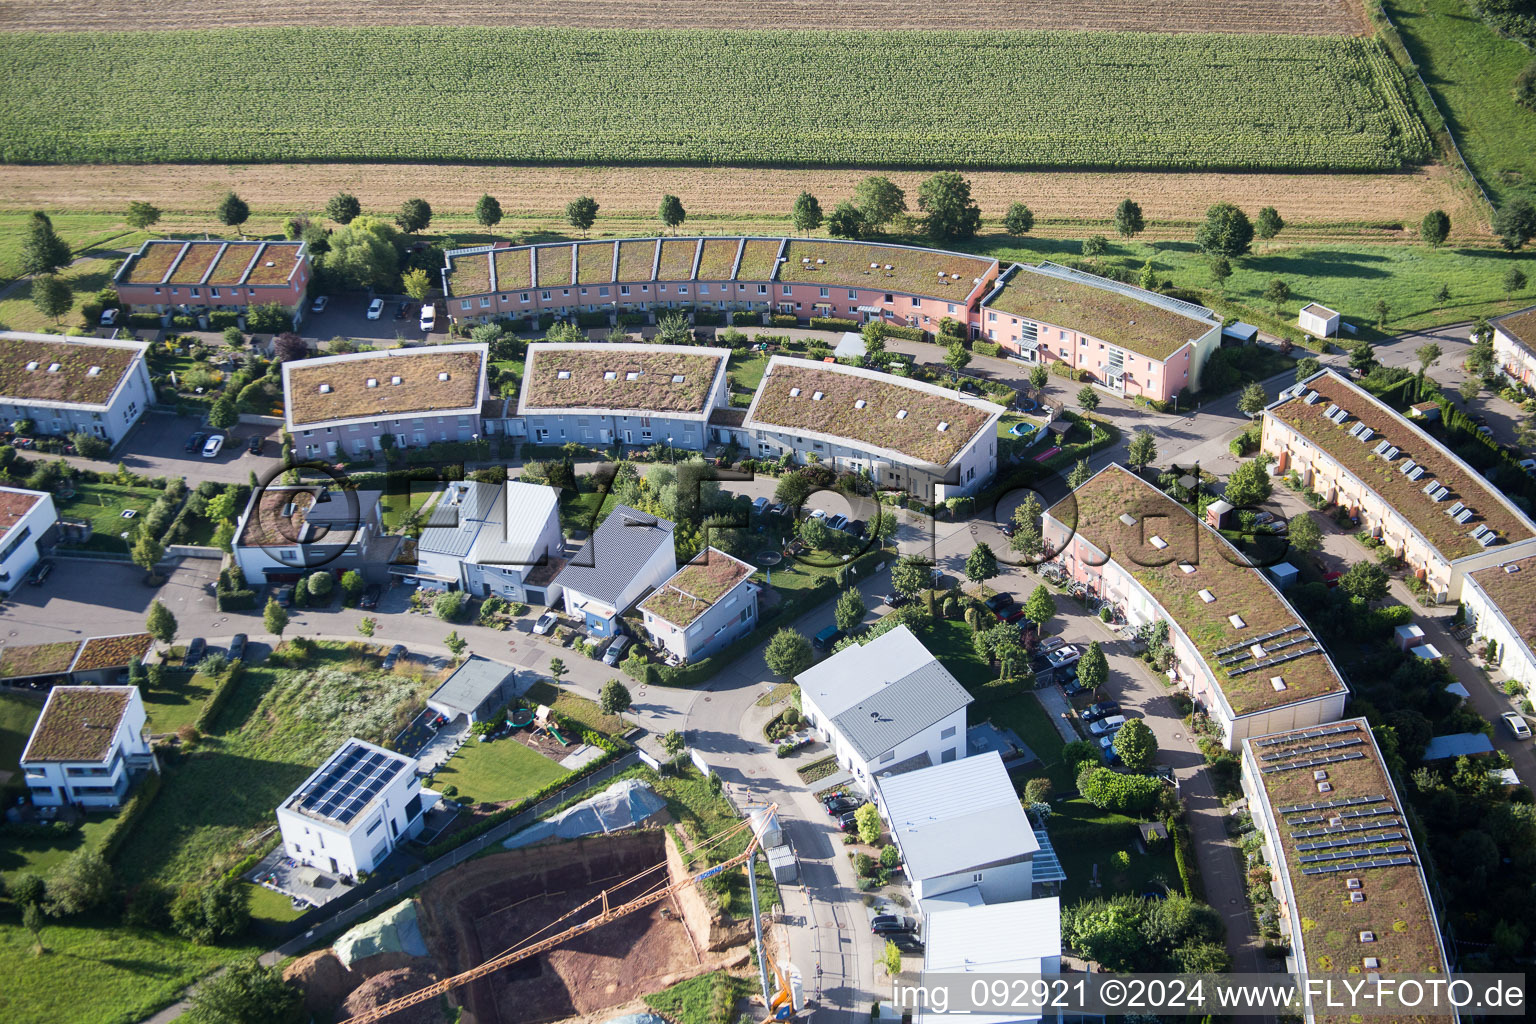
524	297
888	757
947	756
583	291
602	293
682	289
544	296
890	298
213	292
194	293
623	289
785	290
916	301
951	307
762	289
947	733
976	877
464	304
703	289
485	302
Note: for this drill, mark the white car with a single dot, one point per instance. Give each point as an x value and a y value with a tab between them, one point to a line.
1107	726
428	318
213	446
109	317
546	624
375	309
320	303
1067	655
1517	725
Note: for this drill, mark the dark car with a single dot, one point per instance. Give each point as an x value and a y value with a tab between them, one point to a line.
906	942
395	654
854	528
404	311
895	600
237	647
283	596
824	640
40	572
841	805
370	598
997	602
1103	709
195	651
777	509
253	444
892	924
1072	687
848	823
1012	615
195	442
1008	528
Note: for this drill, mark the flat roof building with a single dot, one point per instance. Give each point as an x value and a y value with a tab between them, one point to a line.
68	385
86	746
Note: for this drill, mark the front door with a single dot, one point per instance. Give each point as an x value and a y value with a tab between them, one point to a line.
629	437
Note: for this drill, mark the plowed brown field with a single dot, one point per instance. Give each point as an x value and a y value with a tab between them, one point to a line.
724	198
1298	17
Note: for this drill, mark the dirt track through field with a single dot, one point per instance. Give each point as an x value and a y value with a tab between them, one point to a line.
1299	17
729	198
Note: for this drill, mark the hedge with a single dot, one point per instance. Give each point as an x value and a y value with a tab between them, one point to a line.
223	320
832	323
592	320
219	697
986	348
745	317
1184	858
184	323
906	333
708	317
998	689
1111	791
144	320
784	320
632	319
236	600
546	321
128	818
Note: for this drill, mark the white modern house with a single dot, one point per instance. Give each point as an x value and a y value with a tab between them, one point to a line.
630	553
86	746
1514	344
68	385
705	605
1501	604
493	539
1022	937
26	518
886	707
960	826
289	531
354	810
1318	321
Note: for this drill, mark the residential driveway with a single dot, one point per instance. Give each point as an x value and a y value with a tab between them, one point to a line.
157	447
346	316
98	598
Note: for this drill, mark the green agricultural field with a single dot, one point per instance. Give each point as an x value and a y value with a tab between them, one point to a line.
945	99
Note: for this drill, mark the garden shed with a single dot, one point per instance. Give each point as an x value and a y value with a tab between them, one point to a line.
477	690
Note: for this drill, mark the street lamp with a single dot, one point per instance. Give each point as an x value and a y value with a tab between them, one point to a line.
670	456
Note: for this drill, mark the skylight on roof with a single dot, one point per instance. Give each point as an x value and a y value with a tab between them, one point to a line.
1512	568
794	392
54	367
943	425
372	382
1207	596
1278	682
902	414
859	404
394	380
1158	542
677	378
610	375
325	389
32	365
817	396
1127	519
93	371
563	374
1186	568
443	375
1237	621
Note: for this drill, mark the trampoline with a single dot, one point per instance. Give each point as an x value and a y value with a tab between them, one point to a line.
1022	429
1025	404
520	717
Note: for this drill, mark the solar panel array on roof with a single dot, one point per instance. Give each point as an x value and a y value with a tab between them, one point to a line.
348	784
1314	762
1279	659
1328	805
1378	862
1313	749
1241	656
1310	734
1355	840
1321	858
1339	830
1258	640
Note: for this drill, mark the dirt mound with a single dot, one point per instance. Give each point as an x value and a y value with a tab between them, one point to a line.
402	981
323	978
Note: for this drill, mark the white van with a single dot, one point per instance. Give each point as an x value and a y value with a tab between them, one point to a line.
428	318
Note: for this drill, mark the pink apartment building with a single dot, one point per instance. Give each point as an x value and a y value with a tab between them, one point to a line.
190	277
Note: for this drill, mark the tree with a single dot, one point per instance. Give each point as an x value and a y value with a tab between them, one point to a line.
891	957
1135	744
1221	269
1515	223
83	882
32	921
488	211
367	625
455	644
956	357
417	284
671	212
867	817
1142	451
911	574
673	743
1088	398
981	563
1095	246
792	489
816	534
141	215
614	698
873	336
1435	228
1514	281
1276	294
28	890
42	250
1381	309
1269	224
1038	790
849	610
581	213
788	654
1041	606
1038	375
951	214
274	618
223	414
878	201
846	221
288	346
1362	356
232	211
1148	279
1306	367
210	911
247	993
1079	475
1128	219
1427	356
1365	580
52	296
1226	232
1019	220
343	208
1305	535
160	623
365	254
806	214
1442	294
1253	399
1093	667
147	551
319	584
414	216
1249	484
1468	389
557	669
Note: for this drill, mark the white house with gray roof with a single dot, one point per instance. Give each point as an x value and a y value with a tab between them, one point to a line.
628	555
960	826
1023	937
886	707
493	539
476	691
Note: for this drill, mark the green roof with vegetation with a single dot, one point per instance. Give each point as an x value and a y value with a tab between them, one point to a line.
112	651
1100	313
1512	587
718	259
895	415
677	259
514	269
696	587
149	264
195	263
884	268
600	376
1452	539
471	274
23	662
758	258
231	267
73	381
275	264
349	396
594	262
554	266
1093	512
636	259
78	723
1520	325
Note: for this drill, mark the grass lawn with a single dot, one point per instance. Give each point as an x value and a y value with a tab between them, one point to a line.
103	974
502	771
578	708
949	640
104	504
692	1001
745	369
1084	836
584	510
40	856
17	716
1026	716
394	509
177	704
271	907
83	232
18	314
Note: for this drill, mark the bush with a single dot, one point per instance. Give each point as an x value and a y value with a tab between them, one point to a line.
906	333
783	320
219	697
703	317
592	319
144	320
1112	791
986	348
832	323
449	605
223	321
184	323
745	317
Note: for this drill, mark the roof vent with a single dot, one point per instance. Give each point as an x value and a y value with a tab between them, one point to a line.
1278	682
562	374
610	375
325	389
889	267
874	266
1186	568
1357	897
93	371
271	263
1157	542
1351	884
373	382
54	367
394	380
902	414
1325	787
677	378
632	375
819	260
1127	519
443	375
1372	964
1207	596
817	396
32	365
943	425
794	392
1312	397
859	404
1237	621
1512	568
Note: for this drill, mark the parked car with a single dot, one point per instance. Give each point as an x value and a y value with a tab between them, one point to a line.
546	624
375	309
404	311
283	596
895	599
1071	687
1103	709
40	572
1332	578
997	602
1107	748
1107	726
213	446
1529	465
906	942
824	640
891	924
237	647
1517	724
320	303
395	654
195	442
428	318
1262	517
759	505
1063	656
1008	528
777	509
109	317
848	822
253	444
837	522
371	595
1013	615
196	648
854	527
817	513
1051	643
841	805
616	650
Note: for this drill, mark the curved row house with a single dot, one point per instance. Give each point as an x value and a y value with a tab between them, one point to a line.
1240	649
67	385
1413	493
1129	340
198	277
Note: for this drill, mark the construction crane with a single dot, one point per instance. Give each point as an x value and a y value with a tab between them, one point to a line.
607	914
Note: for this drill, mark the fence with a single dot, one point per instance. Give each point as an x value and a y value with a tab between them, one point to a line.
357	906
192	551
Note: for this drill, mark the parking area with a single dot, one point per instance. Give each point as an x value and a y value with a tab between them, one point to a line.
157	447
346	316
100	598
